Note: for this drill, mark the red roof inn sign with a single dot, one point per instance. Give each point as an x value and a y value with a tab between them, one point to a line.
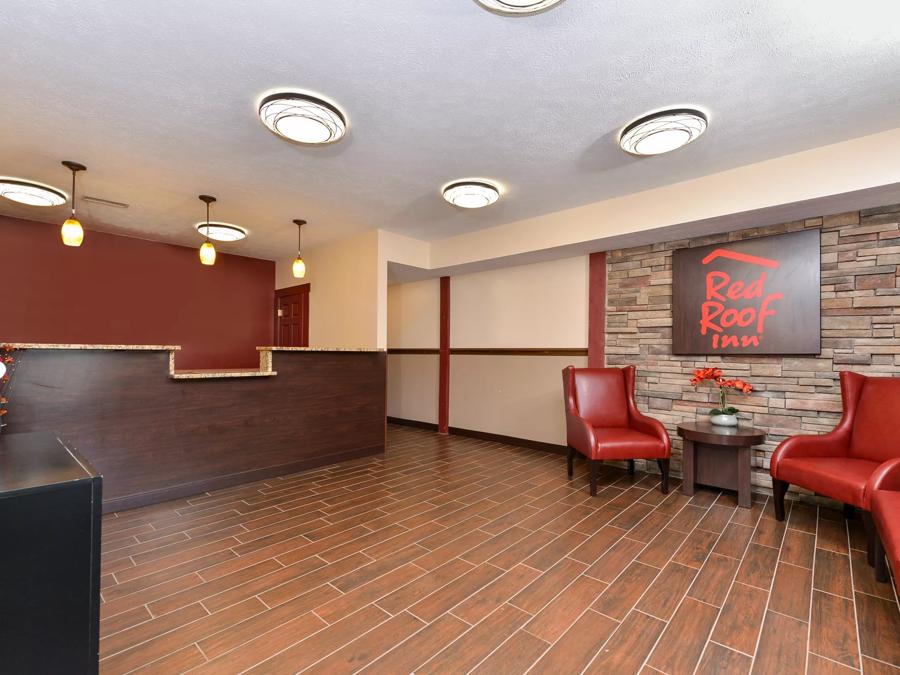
756	296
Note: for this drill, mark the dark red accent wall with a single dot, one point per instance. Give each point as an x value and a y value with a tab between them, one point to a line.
121	290
597	310
444	360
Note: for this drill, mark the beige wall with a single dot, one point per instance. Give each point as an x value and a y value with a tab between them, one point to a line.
413	316
343	301
519	396
395	248
412	387
529	306
539	305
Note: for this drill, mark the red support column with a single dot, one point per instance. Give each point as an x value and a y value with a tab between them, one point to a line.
597	310
444	360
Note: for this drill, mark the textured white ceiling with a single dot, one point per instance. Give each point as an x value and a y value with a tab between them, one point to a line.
159	98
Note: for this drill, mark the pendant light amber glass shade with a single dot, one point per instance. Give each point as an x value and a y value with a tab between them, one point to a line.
208	253
298	268
72	233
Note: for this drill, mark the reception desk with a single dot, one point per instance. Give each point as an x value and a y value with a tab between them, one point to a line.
157	433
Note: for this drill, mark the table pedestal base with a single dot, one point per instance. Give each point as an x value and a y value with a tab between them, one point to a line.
718	466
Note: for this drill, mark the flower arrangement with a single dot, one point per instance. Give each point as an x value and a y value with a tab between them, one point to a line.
725	415
7	366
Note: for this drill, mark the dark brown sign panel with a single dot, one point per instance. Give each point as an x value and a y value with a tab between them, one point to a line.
756	296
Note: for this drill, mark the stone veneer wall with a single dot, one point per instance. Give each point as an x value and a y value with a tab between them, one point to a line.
860	332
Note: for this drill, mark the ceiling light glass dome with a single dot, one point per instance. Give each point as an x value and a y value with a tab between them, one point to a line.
303	118
663	131
518	6
471	194
30	193
221	231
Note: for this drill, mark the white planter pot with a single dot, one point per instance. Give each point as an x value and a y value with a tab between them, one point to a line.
724	420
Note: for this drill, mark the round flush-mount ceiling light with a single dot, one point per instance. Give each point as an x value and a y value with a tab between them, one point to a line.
471	194
518	7
221	231
30	193
303	118
663	131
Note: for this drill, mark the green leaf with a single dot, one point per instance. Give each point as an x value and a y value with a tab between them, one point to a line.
730	410
716	411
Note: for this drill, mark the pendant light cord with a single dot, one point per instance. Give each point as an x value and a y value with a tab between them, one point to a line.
299	231
207	222
73	193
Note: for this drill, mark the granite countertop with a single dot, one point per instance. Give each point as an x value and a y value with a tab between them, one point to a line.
212	374
318	349
265	358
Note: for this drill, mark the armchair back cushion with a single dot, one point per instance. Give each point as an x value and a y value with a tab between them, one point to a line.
600	397
875	436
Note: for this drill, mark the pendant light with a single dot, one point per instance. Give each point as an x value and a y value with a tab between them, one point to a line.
207	250
72	233
299	267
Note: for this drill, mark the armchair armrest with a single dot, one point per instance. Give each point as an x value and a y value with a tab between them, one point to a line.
885	477
651	427
579	433
640	422
832	444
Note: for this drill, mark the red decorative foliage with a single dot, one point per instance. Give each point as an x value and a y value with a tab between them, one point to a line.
716	376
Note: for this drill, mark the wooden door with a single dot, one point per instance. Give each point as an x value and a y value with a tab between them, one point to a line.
292	316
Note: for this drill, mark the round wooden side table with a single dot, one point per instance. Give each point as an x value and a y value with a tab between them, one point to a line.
718	457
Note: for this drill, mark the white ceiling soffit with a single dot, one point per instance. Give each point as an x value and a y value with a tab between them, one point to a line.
159	101
813	208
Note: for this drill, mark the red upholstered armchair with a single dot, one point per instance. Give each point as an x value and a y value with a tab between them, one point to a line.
844	464
603	422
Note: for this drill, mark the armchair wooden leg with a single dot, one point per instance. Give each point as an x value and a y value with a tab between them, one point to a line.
570	457
881	570
630	467
871	537
595	474
664	470
779	487
849	511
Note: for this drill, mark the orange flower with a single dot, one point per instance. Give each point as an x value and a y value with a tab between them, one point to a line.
702	374
3	411
3	400
715	375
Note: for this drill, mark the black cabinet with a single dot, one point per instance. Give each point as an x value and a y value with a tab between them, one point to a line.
50	557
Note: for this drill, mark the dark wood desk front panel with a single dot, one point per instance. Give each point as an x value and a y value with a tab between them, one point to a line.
154	438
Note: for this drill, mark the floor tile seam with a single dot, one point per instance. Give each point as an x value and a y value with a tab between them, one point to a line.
345	644
812	593
467	631
155	637
840	663
656	642
731	584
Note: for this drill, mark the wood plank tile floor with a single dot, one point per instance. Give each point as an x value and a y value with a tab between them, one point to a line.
453	555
